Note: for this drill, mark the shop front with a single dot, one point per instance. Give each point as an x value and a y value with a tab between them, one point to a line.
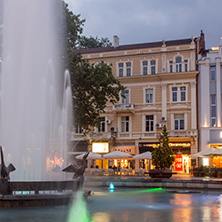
182	163
181	151
128	148
100	148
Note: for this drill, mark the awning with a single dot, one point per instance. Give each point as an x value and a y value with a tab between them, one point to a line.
91	156
208	152
117	155
146	155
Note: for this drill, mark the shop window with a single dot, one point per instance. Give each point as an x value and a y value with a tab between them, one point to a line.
125	124
149	123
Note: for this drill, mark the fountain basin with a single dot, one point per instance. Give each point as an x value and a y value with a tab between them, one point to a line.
38	193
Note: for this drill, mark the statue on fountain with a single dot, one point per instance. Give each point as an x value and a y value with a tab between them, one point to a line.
77	170
5	171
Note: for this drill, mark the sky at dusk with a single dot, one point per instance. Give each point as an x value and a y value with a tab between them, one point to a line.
140	21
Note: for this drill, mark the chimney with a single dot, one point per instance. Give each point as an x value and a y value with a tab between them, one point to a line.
115	41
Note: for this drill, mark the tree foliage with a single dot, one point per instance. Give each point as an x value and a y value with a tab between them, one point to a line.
92	85
91	42
162	156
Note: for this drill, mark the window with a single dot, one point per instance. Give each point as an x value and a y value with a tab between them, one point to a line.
102	125
183	93
186	65
78	130
171	66
153	67
178	64
149	95
179	94
128	68
213	110
125	124
125	96
174	94
179	121
213	73
120	69
149	123
145	67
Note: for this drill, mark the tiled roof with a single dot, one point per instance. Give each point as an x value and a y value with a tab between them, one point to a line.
134	46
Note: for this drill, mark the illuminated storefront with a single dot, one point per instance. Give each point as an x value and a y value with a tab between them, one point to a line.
100	148
129	148
181	151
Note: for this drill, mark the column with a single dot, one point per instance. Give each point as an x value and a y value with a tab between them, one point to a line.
218	92
164	101
193	106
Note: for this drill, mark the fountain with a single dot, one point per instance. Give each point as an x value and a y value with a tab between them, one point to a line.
35	107
35	96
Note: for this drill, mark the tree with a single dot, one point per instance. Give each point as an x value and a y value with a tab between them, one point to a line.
92	85
162	156
92	42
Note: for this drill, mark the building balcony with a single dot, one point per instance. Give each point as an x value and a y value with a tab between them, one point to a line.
182	133
124	107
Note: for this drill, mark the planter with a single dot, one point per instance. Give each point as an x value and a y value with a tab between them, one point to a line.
160	173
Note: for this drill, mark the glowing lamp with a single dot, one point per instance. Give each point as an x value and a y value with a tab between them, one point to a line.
111	187
205	161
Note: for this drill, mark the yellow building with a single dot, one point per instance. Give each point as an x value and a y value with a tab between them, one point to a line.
160	79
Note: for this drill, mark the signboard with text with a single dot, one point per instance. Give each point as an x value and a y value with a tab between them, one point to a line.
178	163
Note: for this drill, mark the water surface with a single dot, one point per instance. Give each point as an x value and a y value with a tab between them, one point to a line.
130	205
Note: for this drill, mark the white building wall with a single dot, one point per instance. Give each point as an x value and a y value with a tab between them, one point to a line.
213	57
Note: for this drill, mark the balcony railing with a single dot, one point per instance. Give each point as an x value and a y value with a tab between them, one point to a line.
126	106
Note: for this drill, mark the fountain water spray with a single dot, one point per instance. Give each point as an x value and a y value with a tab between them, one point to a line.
35	95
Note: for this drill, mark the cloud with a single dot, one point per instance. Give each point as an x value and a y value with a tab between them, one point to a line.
148	20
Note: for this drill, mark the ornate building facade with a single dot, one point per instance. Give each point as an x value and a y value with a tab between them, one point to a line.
161	88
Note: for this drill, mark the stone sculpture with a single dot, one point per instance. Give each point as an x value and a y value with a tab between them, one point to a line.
5	171
77	170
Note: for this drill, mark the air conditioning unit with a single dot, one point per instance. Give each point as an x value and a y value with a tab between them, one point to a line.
159	125
113	129
163	119
108	121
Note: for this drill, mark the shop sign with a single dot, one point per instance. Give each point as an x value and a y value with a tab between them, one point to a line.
125	149
178	163
100	147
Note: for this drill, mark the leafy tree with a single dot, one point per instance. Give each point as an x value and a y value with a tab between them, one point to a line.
162	156
92	42
92	85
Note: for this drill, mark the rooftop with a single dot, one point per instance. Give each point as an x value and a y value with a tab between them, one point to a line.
135	46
